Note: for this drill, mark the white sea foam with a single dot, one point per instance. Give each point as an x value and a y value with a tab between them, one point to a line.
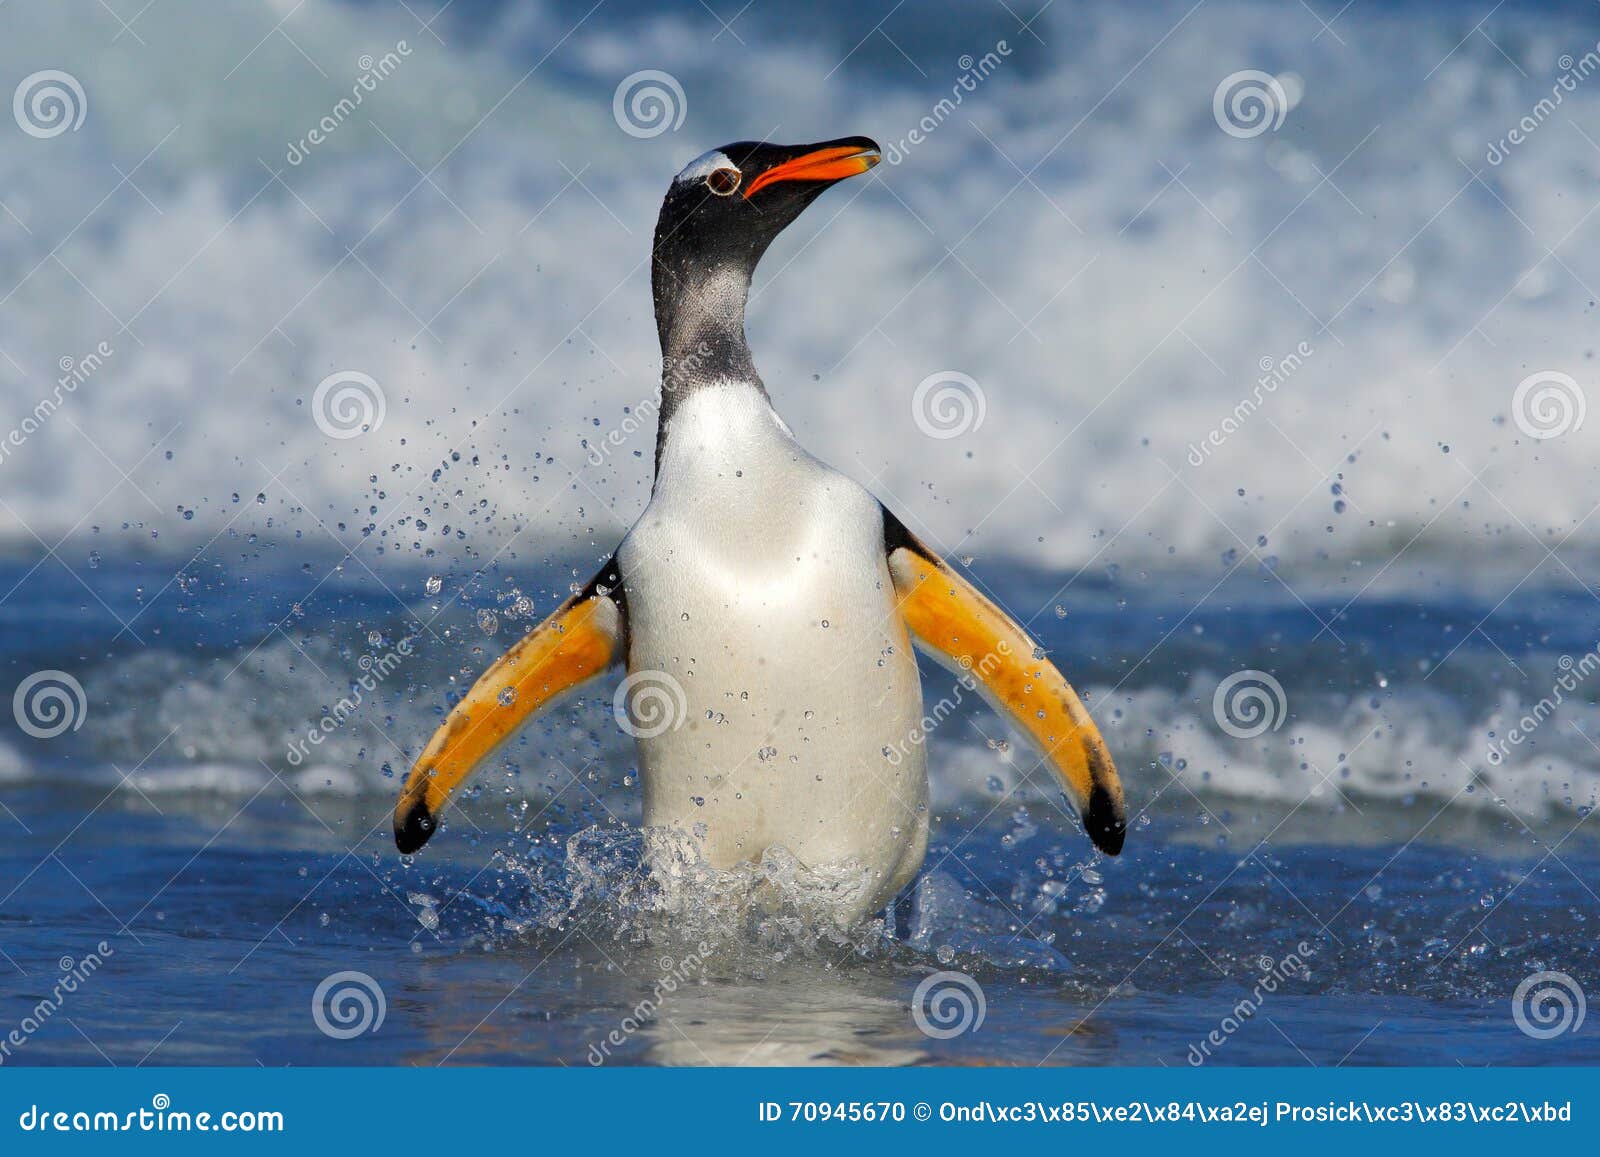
1413	750
13	768
1114	307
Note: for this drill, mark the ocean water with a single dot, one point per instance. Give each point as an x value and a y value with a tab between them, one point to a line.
1375	907
1273	434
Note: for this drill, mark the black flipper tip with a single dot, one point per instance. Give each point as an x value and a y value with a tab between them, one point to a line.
414	829
1105	821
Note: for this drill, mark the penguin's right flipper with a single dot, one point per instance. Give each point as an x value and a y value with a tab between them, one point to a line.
966	632
580	640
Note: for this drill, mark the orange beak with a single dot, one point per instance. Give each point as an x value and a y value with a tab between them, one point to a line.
830	164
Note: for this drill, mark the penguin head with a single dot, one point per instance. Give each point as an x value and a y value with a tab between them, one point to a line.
727	205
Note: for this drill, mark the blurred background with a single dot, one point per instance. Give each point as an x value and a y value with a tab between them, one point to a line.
1234	347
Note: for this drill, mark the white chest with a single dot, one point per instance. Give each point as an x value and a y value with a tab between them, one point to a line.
758	593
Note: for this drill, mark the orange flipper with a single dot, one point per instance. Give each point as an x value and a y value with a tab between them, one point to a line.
573	645
959	627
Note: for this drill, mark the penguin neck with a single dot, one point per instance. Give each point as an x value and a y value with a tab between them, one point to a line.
700	322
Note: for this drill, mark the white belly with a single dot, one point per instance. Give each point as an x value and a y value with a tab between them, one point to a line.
756	582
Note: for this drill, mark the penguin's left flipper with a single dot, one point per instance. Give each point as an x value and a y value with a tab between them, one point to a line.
579	641
966	632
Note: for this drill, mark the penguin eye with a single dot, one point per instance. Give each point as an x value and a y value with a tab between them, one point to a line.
724	182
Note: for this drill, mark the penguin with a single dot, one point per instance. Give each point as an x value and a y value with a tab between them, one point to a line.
765	605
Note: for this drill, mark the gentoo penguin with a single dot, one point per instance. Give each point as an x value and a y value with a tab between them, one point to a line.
764	604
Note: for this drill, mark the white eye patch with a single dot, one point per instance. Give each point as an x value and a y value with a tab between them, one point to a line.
697	169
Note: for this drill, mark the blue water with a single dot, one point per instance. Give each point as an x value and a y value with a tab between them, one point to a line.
227	882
